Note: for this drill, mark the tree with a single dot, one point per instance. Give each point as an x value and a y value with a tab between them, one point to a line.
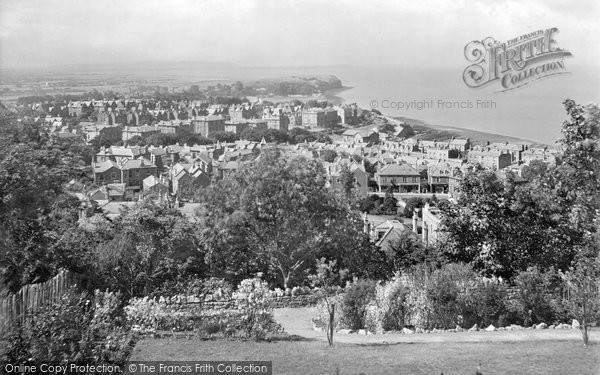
583	302
412	204
408	250
227	137
328	155
279	214
504	228
389	206
346	181
150	244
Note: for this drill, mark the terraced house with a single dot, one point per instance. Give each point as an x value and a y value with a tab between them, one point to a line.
130	172
401	177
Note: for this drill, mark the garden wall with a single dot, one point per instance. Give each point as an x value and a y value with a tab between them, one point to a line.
226	303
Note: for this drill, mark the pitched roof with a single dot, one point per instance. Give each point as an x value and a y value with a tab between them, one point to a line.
137	163
103	166
398	170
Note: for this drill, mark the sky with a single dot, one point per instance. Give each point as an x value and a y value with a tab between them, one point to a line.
39	33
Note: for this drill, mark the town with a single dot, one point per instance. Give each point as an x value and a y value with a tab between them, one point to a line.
140	156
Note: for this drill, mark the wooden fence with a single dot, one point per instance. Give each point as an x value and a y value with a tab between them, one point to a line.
30	298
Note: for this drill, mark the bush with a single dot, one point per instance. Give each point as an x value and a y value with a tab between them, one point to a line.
538	298
453	295
389	312
356	300
484	302
252	299
70	330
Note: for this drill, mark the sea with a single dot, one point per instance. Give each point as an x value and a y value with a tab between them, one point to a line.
440	96
435	96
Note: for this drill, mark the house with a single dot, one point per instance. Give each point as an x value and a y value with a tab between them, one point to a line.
462	145
513	149
116	153
385	234
347	114
319	118
130	172
186	179
259	124
106	172
441	154
240	113
492	159
438	178
360	177
114	133
153	185
236	127
208	125
431	224
542	154
109	192
278	122
134	171
361	136
141	131
403	176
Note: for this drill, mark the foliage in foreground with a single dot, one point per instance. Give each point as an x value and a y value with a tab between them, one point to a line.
72	329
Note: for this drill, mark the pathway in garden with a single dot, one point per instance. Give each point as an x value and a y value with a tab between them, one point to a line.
297	322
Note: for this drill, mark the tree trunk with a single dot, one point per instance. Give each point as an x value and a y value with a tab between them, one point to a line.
286	279
584	329
583	326
330	327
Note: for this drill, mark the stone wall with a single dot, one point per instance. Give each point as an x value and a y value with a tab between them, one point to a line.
224	303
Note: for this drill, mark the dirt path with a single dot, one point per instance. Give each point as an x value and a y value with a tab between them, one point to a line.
297	321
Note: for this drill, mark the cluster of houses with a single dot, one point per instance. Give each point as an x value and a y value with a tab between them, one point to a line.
124	119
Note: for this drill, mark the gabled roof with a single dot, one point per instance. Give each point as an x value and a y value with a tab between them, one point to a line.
103	166
398	170
137	163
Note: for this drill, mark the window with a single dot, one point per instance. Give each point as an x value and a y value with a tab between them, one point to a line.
113	175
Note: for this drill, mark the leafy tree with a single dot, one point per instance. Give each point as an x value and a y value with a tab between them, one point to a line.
346	181
412	204
150	244
328	155
582	284
279	214
136	140
408	250
503	228
227	137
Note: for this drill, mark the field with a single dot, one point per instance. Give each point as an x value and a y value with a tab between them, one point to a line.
315	357
517	352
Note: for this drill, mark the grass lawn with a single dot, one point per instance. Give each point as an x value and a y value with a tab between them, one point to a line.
315	357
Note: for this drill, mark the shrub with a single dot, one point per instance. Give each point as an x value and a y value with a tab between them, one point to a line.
252	299
389	311
484	302
71	330
355	303
537	299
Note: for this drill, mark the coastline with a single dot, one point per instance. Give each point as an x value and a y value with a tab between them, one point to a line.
441	131
332	95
